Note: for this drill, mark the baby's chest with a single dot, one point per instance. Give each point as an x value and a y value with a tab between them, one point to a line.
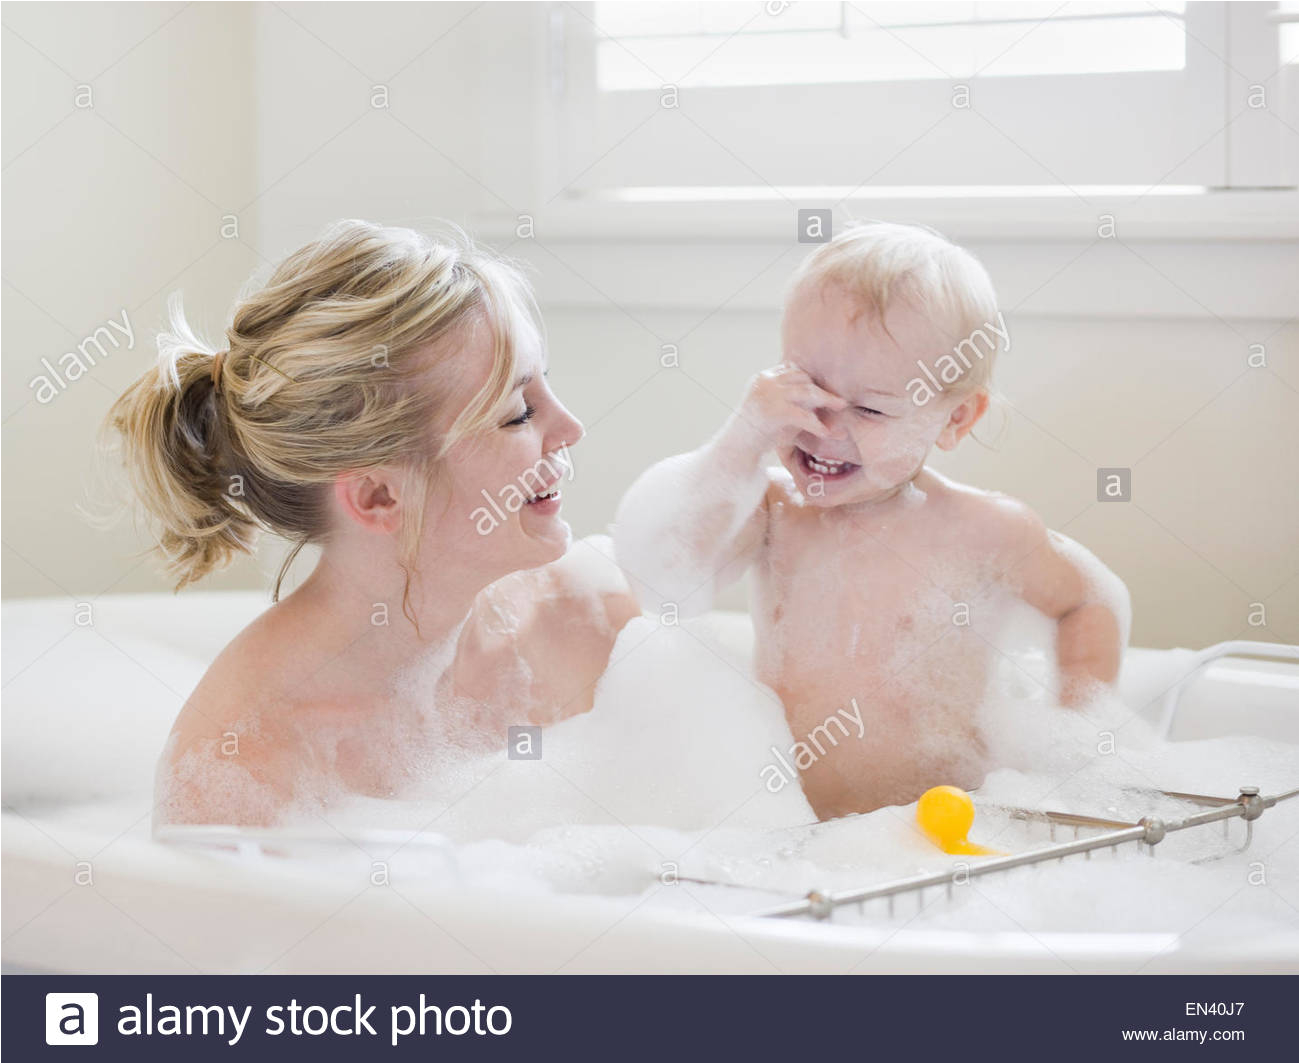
833	599
826	576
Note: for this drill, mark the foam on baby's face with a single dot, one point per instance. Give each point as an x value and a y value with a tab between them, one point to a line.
871	449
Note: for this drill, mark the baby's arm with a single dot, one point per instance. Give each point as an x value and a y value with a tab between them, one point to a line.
1090	604
692	523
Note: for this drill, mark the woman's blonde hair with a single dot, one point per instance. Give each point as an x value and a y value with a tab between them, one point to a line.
340	362
879	263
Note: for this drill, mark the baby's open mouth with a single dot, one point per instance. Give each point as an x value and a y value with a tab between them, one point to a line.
825	467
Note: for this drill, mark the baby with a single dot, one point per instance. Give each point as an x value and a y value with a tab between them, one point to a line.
882	587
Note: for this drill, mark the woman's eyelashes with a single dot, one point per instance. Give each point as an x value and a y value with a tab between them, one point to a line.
525	417
530	409
867	411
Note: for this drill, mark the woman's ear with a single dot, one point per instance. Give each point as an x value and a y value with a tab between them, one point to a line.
372	499
962	418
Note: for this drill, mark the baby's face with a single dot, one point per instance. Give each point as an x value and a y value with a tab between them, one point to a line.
869	450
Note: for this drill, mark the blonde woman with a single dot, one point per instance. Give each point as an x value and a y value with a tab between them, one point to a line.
384	397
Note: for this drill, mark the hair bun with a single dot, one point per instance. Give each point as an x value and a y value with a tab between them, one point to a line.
218	361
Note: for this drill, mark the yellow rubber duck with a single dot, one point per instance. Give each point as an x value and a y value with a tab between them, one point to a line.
946	814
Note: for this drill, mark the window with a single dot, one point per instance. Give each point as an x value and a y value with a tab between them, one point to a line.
809	43
763	97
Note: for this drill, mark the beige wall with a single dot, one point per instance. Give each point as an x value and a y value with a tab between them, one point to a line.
1120	357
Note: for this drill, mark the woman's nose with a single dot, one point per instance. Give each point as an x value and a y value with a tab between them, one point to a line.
567	430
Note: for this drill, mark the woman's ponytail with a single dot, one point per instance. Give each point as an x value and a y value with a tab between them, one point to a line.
175	446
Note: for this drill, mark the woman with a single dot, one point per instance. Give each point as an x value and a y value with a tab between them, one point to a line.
383	396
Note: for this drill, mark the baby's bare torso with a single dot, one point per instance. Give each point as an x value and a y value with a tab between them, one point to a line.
883	615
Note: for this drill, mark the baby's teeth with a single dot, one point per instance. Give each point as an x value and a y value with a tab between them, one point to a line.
826	466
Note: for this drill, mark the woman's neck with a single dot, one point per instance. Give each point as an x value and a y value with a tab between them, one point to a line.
368	605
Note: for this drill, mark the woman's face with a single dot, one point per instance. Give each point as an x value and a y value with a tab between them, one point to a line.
494	505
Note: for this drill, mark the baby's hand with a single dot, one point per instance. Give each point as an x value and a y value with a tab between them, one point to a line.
782	402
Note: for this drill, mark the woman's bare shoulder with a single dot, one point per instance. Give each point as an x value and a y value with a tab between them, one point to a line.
228	758
252	670
225	779
564	619
585	586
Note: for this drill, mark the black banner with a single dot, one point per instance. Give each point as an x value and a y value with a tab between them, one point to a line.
650	1018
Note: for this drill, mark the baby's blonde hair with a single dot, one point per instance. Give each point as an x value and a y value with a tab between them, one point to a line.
340	362
878	263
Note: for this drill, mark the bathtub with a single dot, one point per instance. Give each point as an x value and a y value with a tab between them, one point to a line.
90	690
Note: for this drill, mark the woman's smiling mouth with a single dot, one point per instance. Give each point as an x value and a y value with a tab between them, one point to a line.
547	502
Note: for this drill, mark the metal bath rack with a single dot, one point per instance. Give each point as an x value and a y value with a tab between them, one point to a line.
1249	805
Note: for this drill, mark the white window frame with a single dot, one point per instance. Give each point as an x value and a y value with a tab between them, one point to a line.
1150	129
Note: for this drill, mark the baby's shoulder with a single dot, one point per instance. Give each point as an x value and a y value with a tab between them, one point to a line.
996	520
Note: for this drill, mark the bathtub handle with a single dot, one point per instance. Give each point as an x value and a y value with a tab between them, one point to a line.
1230	648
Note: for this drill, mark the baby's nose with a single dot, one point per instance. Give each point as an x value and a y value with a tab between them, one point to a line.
832	423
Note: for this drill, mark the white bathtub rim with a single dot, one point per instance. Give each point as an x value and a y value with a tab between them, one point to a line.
636	938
